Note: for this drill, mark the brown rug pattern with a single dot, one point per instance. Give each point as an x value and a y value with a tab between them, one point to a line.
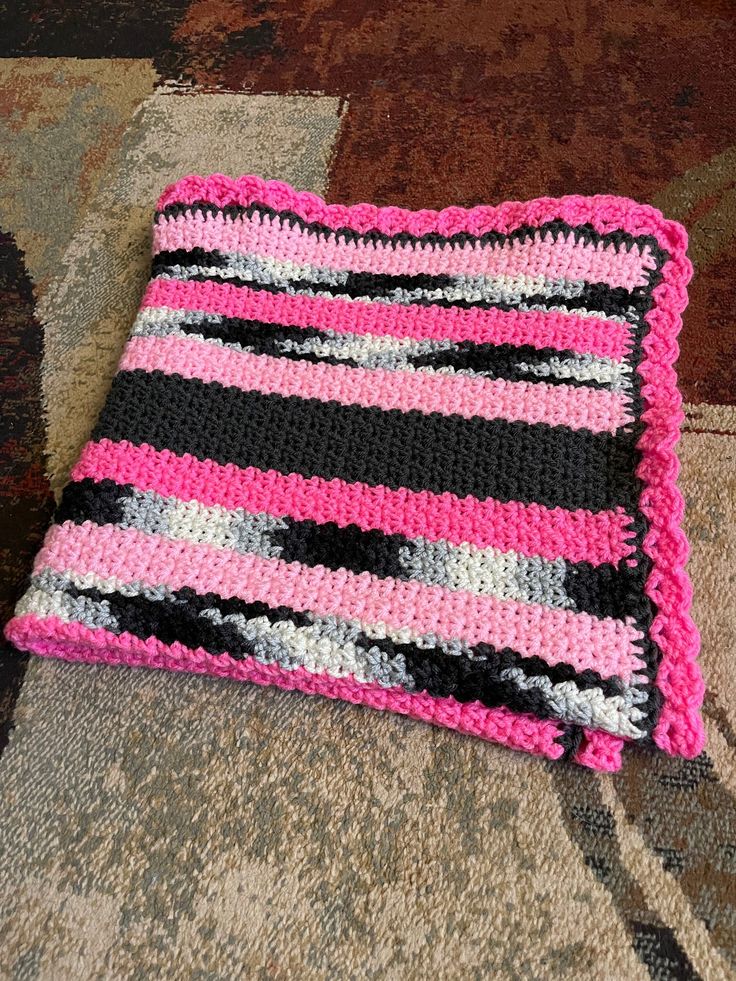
153	825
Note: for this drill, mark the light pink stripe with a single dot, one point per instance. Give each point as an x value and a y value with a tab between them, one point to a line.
531	529
557	636
540	329
537	257
52	637
597	410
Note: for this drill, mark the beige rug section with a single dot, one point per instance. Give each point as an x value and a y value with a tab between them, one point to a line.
89	308
162	825
88	249
708	454
61	124
194	828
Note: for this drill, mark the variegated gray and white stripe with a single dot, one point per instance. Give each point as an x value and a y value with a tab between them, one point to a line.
485	571
508	575
503	289
616	375
49	581
618	714
268	270
338	647
51	602
373	351
321	648
368	350
191	521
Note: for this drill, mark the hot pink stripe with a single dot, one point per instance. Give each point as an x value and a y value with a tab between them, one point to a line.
597	410
530	529
52	637
557	636
606	338
600	750
557	260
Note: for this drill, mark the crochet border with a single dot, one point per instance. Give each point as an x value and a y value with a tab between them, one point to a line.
679	729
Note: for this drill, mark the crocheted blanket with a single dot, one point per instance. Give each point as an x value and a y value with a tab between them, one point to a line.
421	461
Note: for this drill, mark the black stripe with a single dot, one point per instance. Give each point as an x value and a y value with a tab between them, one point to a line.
383	284
466	677
472	681
607	590
263	338
584	233
600	297
604	591
490	360
509	461
189	257
341	548
179	618
89	500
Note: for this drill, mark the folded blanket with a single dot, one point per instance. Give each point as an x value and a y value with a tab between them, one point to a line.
421	461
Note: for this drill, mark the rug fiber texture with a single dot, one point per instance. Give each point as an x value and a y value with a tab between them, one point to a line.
176	824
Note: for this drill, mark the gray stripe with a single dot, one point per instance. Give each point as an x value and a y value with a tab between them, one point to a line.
484	571
470	289
336	647
617	714
373	351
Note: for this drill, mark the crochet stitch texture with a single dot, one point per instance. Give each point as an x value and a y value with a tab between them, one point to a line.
421	461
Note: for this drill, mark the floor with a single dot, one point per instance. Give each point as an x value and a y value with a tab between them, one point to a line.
174	826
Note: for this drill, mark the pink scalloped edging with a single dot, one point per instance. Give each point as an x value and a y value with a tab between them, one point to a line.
600	751
680	727
52	637
604	212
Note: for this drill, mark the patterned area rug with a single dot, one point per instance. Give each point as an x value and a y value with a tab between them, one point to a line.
190	827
